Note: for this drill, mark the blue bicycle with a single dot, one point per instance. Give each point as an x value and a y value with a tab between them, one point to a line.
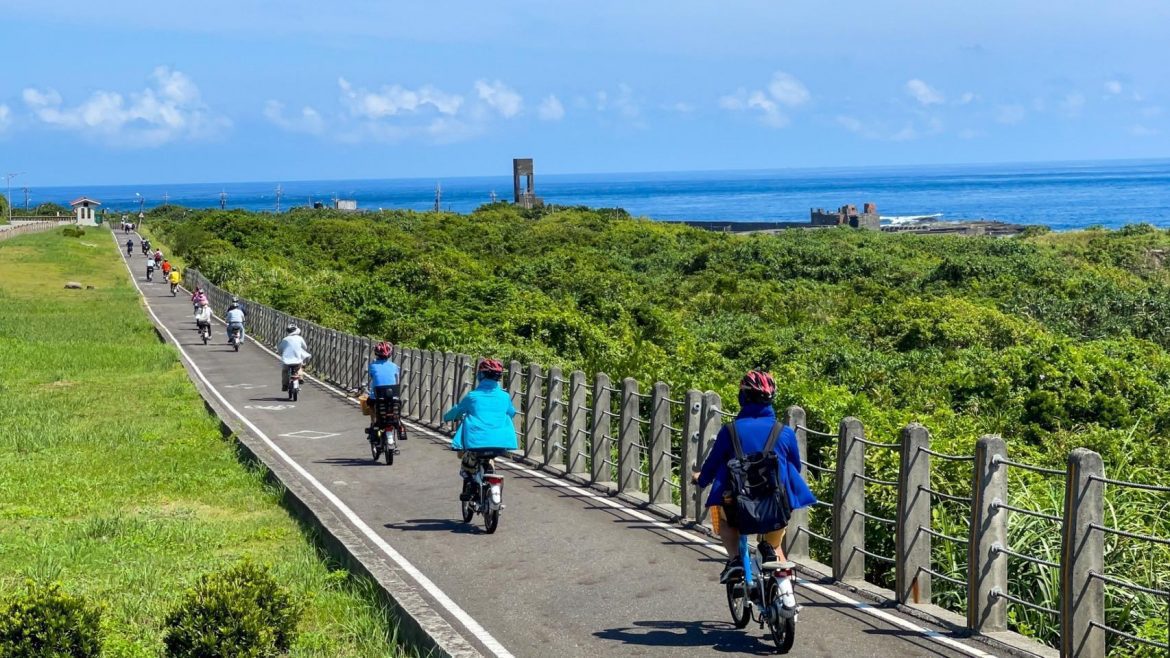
764	594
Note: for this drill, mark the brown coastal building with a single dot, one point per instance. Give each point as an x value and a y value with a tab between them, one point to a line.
848	216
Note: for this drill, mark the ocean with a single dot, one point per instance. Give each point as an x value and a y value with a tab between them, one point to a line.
1061	195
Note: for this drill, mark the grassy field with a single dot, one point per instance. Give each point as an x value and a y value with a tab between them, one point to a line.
115	480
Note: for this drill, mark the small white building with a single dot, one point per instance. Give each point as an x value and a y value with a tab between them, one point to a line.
84	210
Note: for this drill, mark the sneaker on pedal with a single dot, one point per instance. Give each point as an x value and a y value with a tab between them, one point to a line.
468	492
768	560
732	570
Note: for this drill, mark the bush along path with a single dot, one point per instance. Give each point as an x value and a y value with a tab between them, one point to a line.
117	484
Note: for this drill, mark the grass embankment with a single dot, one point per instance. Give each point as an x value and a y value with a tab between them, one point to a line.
115	480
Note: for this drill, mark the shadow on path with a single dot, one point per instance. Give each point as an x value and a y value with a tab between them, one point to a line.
436	525
719	636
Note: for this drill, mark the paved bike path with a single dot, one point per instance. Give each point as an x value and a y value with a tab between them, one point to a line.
569	572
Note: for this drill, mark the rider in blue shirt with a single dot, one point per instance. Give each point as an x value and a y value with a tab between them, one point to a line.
384	380
486	414
753	425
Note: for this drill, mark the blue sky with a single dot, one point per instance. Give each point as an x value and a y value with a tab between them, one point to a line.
130	91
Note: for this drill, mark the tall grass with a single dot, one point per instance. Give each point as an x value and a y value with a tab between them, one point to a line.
114	478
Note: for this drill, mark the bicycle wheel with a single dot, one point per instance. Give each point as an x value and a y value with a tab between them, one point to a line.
491	519
737	603
375	447
783	632
467	511
388	449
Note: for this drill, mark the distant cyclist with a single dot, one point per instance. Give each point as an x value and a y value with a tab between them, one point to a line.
754	425
149	268
203	317
174	278
129	248
235	321
293	354
486	428
384	380
166	268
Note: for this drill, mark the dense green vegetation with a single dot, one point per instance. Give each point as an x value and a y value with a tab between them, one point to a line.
1053	340
114	479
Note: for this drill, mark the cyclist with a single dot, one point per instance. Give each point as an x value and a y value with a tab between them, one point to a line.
145	247
293	354
487	427
166	268
203	317
130	248
174	278
235	321
149	268
237	302
753	425
384	380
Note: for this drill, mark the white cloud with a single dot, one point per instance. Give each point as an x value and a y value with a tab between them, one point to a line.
924	93
499	97
1010	114
623	102
1138	130
395	100
171	109
787	90
881	131
968	98
783	89
5	117
308	121
681	107
1113	87
1072	103
551	109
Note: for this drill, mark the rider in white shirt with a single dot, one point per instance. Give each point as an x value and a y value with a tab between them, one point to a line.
202	315
293	353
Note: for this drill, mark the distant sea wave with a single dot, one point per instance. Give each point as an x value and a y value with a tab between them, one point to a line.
1060	195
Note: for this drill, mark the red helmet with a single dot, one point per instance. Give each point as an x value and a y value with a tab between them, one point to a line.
383	350
758	382
491	367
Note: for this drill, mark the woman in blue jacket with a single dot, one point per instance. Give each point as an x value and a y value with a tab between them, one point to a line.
487	426
754	425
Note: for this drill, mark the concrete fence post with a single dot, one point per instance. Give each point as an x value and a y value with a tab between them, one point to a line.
601	431
911	541
691	453
710	422
661	455
434	370
437	388
1082	597
533	410
986	566
466	366
629	439
578	421
514	379
795	541
848	501
428	386
554	414
448	385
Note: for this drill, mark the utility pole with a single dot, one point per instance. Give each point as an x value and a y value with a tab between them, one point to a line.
10	176
26	200
438	197
279	193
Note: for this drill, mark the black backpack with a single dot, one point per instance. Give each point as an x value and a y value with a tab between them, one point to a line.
759	500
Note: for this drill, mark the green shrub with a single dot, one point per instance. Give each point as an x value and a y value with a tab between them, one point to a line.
239	612
72	232
44	621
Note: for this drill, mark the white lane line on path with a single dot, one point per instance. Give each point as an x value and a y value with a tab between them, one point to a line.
439	595
936	636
